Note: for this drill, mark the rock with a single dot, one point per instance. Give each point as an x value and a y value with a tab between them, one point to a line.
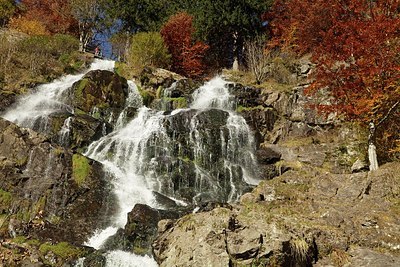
6	99
314	217
101	93
48	189
359	166
171	90
267	155
141	228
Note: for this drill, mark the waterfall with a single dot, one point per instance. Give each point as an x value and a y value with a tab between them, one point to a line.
33	110
192	156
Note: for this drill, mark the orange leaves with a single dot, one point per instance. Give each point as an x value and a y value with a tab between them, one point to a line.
31	27
356	47
187	56
54	15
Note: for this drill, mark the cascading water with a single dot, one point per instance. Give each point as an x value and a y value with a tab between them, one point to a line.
33	110
194	155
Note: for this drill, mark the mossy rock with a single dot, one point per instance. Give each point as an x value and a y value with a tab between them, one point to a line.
100	89
80	169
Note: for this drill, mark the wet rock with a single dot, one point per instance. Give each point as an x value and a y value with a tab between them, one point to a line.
48	189
6	99
101	93
165	90
140	229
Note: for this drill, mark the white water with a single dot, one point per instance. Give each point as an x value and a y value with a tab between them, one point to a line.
213	94
32	111
131	153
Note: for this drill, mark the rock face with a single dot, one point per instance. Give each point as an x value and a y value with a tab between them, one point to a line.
140	229
298	219
100	91
46	191
165	90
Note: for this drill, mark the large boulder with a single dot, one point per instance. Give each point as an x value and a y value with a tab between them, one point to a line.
141	229
101	93
47	191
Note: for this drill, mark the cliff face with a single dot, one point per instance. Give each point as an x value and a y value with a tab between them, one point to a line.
315	205
47	191
300	218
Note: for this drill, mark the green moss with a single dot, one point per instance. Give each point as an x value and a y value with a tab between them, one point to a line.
63	250
160	92
147	96
178	102
5	199
33	242
80	168
241	108
140	250
40	204
19	239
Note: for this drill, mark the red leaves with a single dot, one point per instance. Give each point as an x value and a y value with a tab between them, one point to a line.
187	56
54	15
356	47
354	44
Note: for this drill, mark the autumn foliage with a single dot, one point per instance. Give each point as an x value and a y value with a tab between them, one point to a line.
187	55
356	46
54	16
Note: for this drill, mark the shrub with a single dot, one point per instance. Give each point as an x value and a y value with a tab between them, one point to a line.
29	60
7	9
147	49
29	26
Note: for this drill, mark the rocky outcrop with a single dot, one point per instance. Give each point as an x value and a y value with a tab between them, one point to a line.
100	92
284	121
165	90
22	251
46	191
301	218
6	99
140	229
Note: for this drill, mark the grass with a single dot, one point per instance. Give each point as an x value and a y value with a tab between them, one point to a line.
5	199
299	249
80	168
63	250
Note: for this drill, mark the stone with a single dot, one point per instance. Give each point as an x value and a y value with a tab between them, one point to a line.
100	93
314	217
41	189
359	166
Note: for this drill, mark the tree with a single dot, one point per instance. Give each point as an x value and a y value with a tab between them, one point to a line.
7	9
187	55
226	24
140	15
88	14
257	58
147	49
55	15
355	45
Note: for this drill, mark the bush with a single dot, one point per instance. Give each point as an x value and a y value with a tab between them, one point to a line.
28	26
29	60
7	9
147	49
